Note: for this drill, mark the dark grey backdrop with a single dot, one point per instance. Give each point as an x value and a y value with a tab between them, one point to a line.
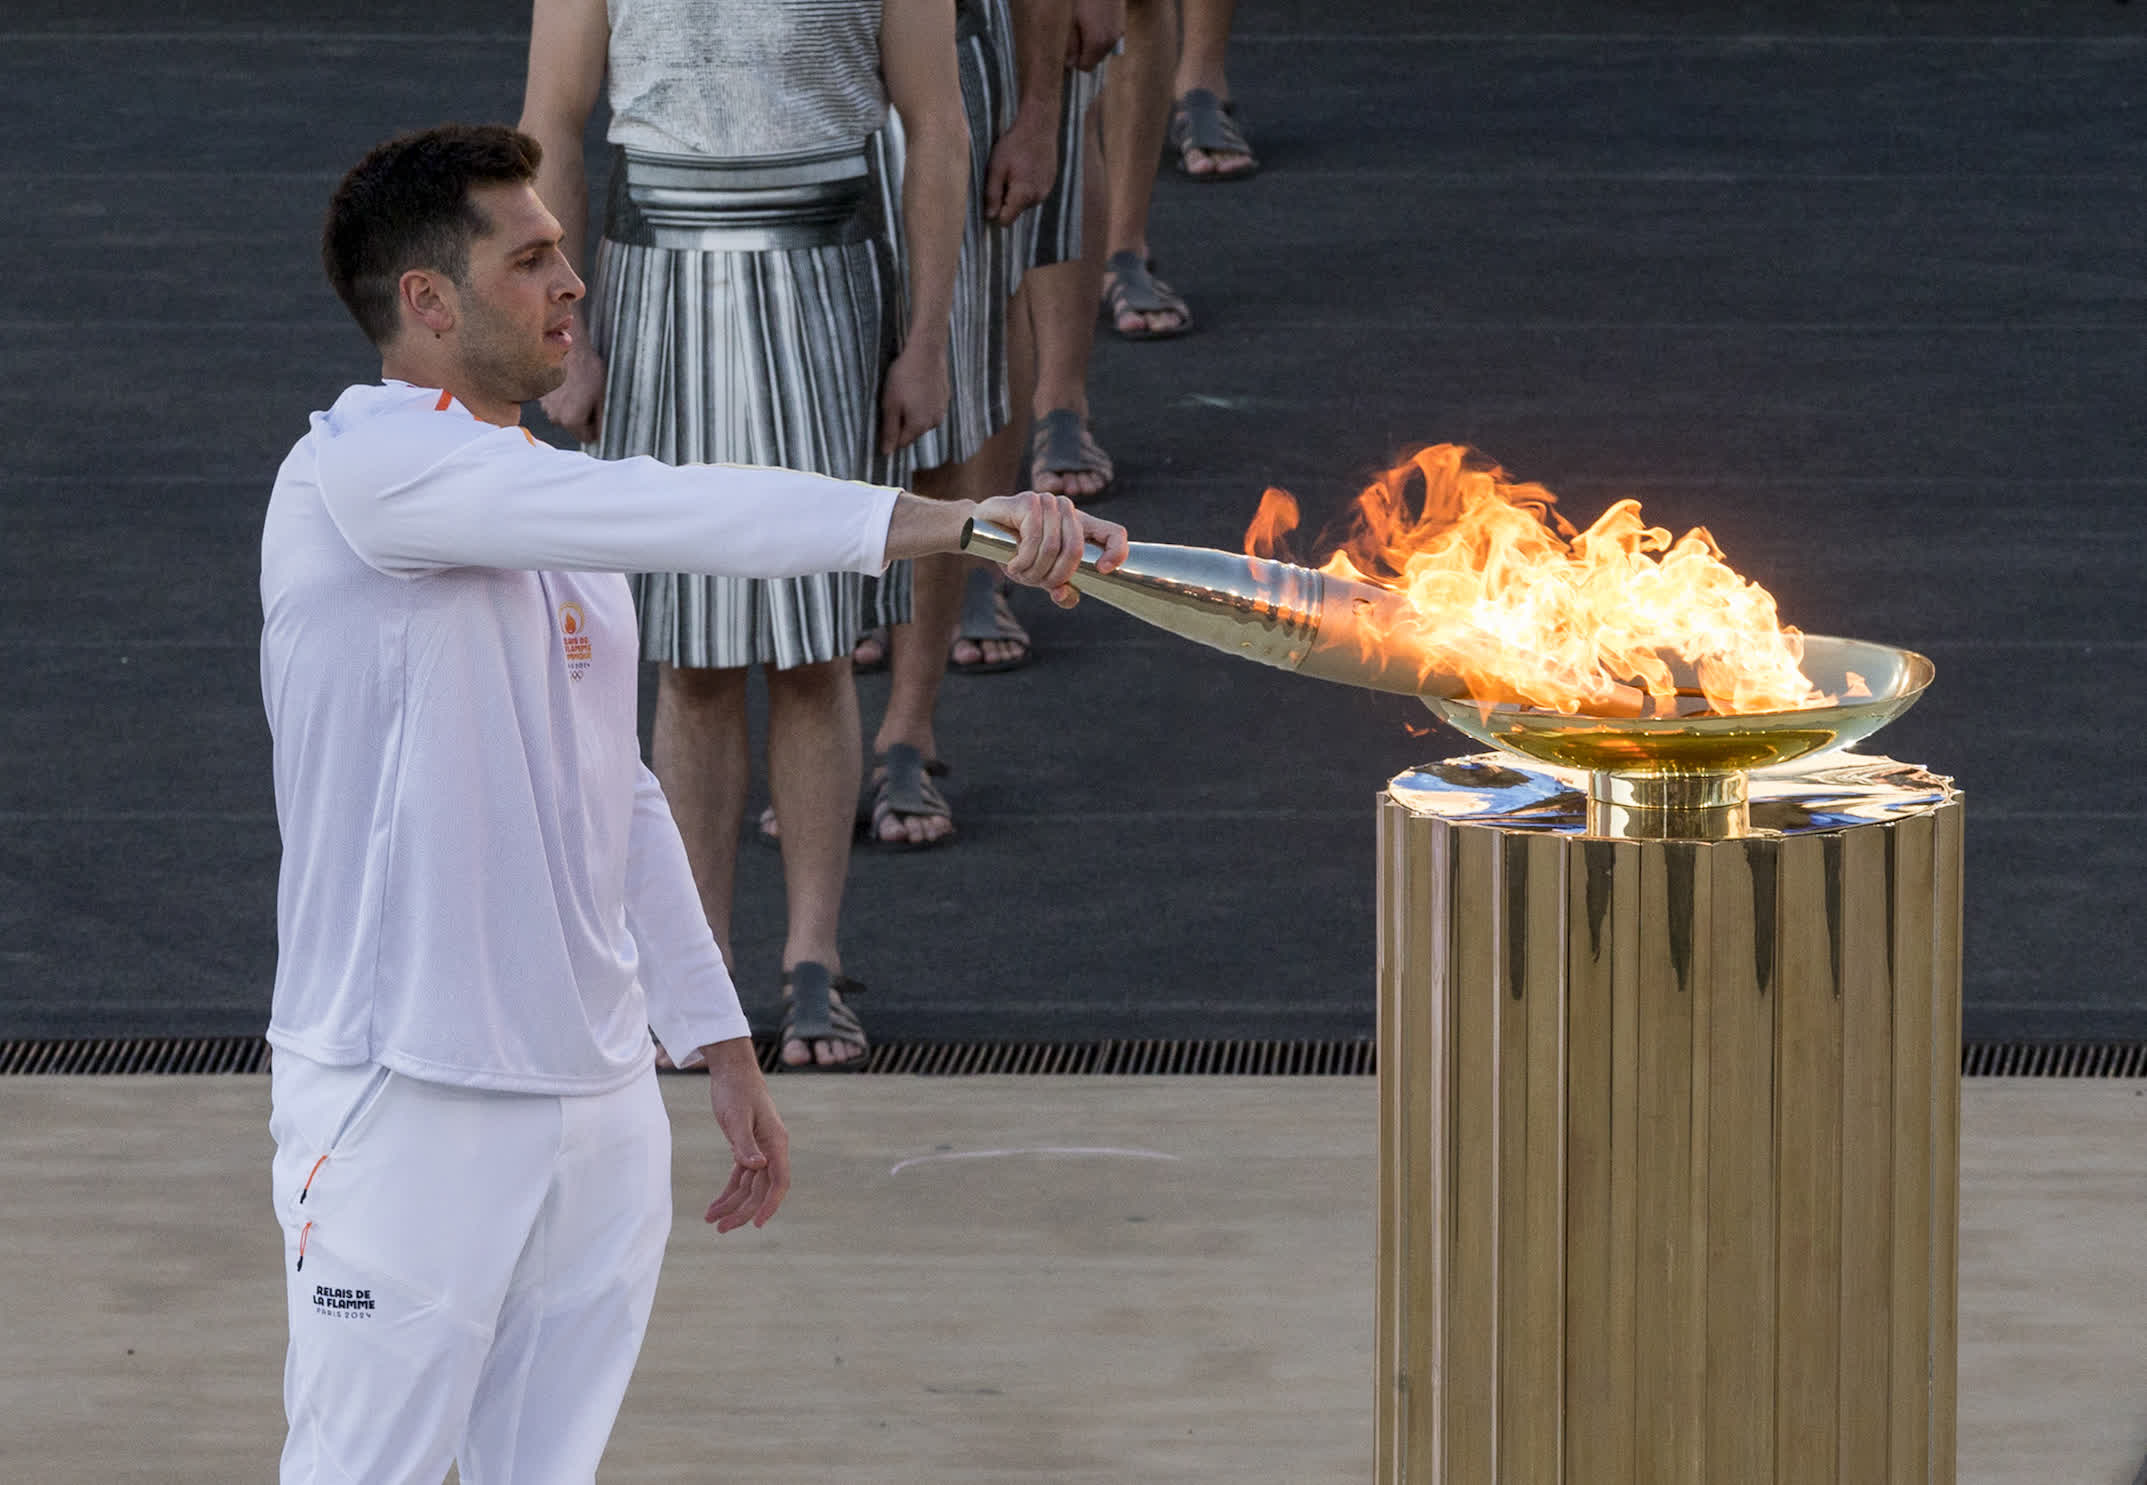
1856	285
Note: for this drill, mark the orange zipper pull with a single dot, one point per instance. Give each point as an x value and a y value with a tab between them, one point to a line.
303	1233
309	1179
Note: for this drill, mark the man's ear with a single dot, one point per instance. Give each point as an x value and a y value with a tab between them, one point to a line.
428	299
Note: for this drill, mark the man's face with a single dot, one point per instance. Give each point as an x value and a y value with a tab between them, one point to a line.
516	297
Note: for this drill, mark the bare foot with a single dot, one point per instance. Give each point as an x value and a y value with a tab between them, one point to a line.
828	1053
970	652
1220	163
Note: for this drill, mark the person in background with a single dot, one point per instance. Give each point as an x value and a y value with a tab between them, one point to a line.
1136	114
1058	310
1011	58
747	308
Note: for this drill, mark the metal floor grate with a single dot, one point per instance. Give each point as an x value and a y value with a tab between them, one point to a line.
245	1054
2054	1060
160	1054
99	1056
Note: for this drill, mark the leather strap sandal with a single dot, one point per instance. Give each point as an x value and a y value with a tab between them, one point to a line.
1131	287
986	615
1060	444
904	790
1201	121
812	1014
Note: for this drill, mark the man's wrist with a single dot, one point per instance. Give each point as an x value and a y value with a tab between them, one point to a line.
959	513
729	1054
923	527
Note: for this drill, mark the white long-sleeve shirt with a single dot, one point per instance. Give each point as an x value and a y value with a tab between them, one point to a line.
481	883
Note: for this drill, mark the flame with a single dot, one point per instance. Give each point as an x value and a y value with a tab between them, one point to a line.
1271	524
1503	592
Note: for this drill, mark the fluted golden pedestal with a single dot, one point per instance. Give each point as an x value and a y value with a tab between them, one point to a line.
1668	1133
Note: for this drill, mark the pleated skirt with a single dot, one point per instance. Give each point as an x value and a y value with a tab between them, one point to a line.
752	354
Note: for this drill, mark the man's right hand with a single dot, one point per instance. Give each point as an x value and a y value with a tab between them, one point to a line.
577	404
1051	533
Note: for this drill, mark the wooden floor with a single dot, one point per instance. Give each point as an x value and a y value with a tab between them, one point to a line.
1092	1280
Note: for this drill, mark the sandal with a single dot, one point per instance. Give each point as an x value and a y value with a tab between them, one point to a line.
986	615
811	1013
1060	444
1201	121
1130	287
902	789
869	655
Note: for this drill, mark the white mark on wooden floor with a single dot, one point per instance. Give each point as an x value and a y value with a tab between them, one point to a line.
1050	1150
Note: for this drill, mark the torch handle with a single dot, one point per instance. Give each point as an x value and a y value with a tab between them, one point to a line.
1251	607
988	539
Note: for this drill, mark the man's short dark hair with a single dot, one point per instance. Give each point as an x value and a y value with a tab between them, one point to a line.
407	205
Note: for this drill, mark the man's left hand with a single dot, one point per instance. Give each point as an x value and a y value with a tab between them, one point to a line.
1050	532
760	1146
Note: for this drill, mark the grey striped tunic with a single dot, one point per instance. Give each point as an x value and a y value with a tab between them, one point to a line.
743	295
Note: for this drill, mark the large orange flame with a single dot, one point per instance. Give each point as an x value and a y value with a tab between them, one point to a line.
1504	593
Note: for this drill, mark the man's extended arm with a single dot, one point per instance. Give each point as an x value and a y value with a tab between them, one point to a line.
420	495
458	494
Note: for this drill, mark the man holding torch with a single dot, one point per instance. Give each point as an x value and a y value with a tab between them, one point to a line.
484	906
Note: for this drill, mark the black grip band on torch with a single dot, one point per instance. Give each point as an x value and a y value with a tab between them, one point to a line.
1276	613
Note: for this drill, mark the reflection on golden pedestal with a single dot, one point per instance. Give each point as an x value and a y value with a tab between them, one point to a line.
1668	1131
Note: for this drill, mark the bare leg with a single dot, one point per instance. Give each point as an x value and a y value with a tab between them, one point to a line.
1062	296
699	755
813	764
919	660
1061	319
921	647
993	469
1201	65
1206	39
1136	113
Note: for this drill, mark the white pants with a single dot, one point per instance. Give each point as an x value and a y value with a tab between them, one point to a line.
469	1274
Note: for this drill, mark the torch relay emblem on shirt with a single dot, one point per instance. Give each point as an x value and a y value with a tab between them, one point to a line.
342	1304
579	647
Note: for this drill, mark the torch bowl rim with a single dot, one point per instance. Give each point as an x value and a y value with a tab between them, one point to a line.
1896	677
